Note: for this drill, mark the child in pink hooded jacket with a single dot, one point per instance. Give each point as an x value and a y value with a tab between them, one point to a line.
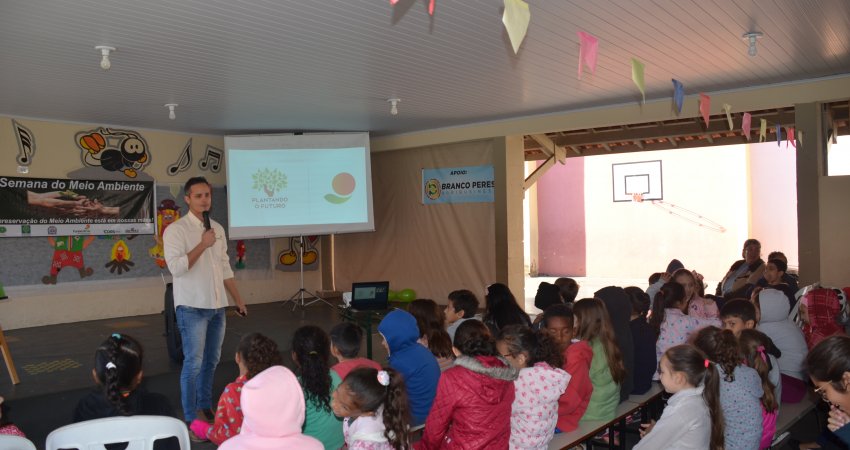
273	407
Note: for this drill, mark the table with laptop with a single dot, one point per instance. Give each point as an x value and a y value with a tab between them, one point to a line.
368	304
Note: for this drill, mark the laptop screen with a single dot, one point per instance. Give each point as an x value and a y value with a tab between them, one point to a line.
370	295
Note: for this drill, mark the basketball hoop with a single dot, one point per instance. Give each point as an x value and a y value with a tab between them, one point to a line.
637	198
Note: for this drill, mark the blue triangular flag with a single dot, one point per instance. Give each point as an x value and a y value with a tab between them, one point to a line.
778	134
678	94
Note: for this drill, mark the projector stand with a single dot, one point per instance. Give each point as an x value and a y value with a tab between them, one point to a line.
297	298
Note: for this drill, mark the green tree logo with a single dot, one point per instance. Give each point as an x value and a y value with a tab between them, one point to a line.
269	181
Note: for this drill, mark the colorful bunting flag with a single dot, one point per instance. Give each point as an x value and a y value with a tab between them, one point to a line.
799	137
430	7
705	108
778	134
637	77
393	2
763	131
588	47
516	18
746	123
789	131
728	109
678	95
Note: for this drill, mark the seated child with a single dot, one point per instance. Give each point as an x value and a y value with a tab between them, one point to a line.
753	345
417	365
788	338
462	306
790	279
273	406
619	309
374	405
430	319
740	388
255	354
311	348
668	319
118	373
568	289
345	346
693	418
774	276
7	427
698	306
547	295
593	326
819	312
541	381
558	325
738	315
643	338
472	408
501	308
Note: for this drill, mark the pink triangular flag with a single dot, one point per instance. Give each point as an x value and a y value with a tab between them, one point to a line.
430	7
393	2
790	132
705	107
587	51
746	124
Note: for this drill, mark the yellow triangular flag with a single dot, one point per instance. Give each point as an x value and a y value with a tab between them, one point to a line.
516	18
637	77
728	108
799	137
175	190
763	131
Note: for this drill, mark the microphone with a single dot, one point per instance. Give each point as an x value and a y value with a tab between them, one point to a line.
207	224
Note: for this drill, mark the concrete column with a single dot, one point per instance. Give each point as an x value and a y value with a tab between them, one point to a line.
508	165
811	165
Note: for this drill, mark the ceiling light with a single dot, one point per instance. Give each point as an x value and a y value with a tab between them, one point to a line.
751	38
171	114
105	64
394	105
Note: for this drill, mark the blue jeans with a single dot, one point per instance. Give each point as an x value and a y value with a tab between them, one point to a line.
202	331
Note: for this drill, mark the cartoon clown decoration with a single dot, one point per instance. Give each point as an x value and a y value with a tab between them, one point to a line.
240	254
166	213
68	252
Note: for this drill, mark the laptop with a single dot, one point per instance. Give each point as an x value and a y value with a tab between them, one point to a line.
370	295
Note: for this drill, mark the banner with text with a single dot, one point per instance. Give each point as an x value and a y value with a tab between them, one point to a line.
473	184
61	207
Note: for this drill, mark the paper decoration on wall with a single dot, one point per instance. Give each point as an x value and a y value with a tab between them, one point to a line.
778	134
26	143
288	259
705	108
790	136
637	77
114	150
587	51
183	162
727	108
763	131
799	137
211	160
678	95
68	252
166	213
240	254
746	124
516	18
120	261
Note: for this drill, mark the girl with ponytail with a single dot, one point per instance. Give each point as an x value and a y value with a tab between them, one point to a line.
753	345
692	418
311	351
740	388
118	373
375	407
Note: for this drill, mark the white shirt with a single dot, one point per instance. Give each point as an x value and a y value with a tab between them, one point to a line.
684	425
202	285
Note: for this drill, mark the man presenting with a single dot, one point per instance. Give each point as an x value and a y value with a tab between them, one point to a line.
195	250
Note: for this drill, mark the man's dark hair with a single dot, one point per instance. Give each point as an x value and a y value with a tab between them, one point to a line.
187	188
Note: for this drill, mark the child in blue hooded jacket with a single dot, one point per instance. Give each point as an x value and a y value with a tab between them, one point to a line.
415	362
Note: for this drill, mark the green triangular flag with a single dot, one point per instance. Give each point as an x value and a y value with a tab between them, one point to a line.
2	292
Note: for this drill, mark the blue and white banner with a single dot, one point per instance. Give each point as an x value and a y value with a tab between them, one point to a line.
472	184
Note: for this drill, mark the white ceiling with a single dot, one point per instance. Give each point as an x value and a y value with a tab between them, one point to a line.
300	65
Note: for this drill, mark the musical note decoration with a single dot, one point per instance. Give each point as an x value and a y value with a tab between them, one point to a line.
184	162
211	160
26	143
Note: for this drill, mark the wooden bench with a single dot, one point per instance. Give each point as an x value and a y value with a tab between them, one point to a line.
587	430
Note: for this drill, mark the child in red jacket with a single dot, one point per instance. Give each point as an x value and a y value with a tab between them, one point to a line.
472	408
255	354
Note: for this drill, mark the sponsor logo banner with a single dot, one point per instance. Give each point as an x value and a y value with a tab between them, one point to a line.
472	184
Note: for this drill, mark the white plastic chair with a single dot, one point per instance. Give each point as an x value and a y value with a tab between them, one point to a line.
139	431
15	443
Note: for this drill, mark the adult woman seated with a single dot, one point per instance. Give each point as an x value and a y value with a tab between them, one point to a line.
743	273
